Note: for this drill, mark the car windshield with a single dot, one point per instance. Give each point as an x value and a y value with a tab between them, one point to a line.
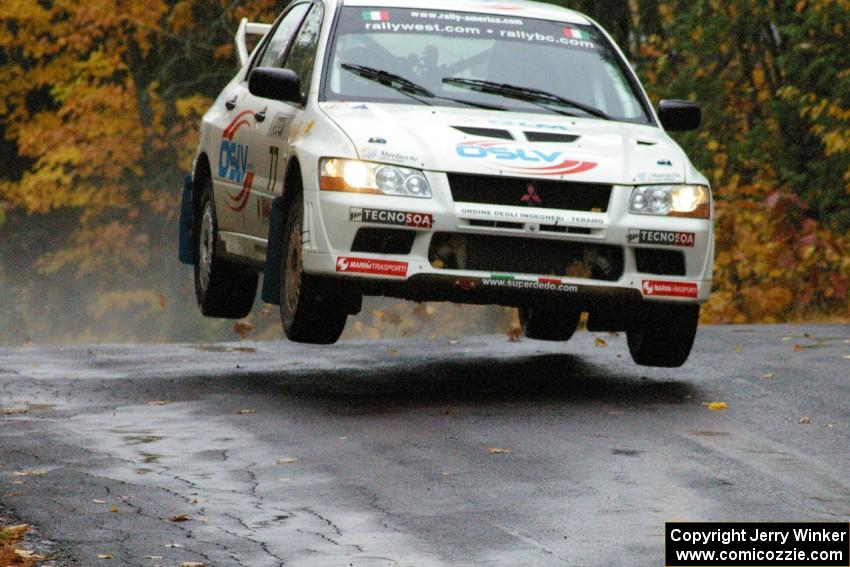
495	61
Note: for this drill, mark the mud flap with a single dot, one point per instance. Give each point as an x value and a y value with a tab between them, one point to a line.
271	273
185	253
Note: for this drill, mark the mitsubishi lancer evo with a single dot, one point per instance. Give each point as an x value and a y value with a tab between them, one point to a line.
472	151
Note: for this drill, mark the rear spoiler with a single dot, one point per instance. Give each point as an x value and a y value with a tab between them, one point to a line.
245	28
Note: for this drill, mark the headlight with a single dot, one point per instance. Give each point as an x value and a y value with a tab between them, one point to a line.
671	200
366	177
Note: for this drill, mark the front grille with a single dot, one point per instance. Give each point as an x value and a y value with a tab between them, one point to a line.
497	224
660	262
498	190
514	255
383	241
565	229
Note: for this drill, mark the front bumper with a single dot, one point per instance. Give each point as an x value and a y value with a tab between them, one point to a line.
532	236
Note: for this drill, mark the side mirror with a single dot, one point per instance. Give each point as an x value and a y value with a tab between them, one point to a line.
276	84
679	115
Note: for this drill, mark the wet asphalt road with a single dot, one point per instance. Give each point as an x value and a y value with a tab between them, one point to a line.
385	448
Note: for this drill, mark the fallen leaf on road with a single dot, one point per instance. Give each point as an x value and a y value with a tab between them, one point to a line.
29	473
192	564
769	376
514	334
12	494
245	411
805	420
243	329
154	557
498	451
392	351
114	510
174	545
718	406
27	553
798	348
600	342
287	461
104	556
180	518
158	403
847	356
244	349
739	349
13	411
99	501
14	531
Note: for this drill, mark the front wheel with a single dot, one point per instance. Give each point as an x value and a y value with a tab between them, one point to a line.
548	324
663	334
311	309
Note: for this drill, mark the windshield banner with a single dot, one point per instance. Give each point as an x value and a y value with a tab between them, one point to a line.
485	26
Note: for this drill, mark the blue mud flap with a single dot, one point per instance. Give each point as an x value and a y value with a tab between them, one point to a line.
271	273
186	254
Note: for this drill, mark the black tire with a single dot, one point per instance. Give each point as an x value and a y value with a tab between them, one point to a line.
223	290
311	308
663	334
547	324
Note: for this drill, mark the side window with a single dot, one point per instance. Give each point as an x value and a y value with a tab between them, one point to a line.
302	56
275	48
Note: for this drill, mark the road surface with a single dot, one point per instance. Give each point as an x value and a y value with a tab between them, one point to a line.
476	451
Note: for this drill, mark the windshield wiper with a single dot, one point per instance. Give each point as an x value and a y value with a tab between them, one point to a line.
406	86
527	94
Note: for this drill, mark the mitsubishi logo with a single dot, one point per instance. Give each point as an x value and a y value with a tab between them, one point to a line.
531	197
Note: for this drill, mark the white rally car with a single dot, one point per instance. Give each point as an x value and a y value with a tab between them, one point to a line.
475	151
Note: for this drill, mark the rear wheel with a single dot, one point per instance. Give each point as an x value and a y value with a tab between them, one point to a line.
547	324
222	289
663	334
311	308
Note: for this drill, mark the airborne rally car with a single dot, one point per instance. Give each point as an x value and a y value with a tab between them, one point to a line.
474	151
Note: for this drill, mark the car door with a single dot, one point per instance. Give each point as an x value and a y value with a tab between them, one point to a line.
241	165
228	154
273	119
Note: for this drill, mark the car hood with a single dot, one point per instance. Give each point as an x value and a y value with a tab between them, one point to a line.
508	143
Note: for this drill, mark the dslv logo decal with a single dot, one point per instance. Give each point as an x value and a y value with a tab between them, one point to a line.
233	162
514	158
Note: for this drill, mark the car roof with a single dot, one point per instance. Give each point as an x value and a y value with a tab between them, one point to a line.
505	8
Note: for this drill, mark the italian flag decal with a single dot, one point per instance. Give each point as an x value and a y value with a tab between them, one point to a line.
576	33
376	16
